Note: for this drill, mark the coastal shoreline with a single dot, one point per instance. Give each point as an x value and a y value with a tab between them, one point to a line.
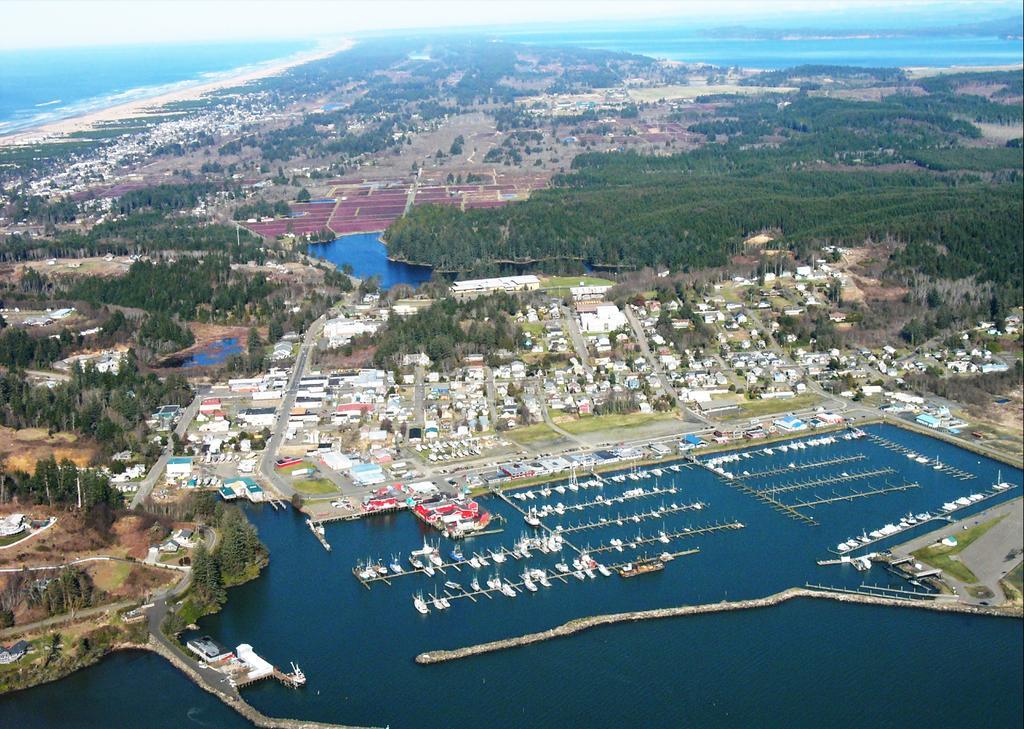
150	105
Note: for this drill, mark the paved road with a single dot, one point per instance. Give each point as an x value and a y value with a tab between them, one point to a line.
147	484
287	400
988	557
211	677
666	383
579	342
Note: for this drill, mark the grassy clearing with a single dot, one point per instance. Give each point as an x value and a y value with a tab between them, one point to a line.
945	558
111	575
531	434
595	423
315	486
757	408
565	282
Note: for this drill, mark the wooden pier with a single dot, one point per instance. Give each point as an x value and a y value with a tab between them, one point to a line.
681	534
315	527
897	448
827	481
805	465
765	497
877	591
619	520
621	499
876	491
938	516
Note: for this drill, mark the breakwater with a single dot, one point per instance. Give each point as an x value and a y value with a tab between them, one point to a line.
234	700
581	624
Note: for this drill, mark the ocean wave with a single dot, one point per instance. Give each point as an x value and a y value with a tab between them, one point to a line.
49	103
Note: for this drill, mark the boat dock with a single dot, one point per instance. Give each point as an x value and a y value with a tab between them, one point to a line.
317	527
767	498
664	538
519	587
877	591
804	465
936	516
619	520
639	493
897	448
873	491
828	481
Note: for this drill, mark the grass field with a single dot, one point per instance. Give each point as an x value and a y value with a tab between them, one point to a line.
757	408
315	486
531	434
565	282
944	558
596	423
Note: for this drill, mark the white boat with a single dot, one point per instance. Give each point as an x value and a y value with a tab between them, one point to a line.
416	563
507	590
578	574
590	573
528	583
396	567
435	558
494	583
453	586
475	584
498	557
474	562
483	560
562	567
438	605
604	570
420	604
665	557
560	488
663	538
428	570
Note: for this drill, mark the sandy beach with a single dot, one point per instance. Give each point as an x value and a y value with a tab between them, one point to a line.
150	105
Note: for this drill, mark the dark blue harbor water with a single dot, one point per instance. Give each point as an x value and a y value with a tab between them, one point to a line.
803	663
368	256
214	353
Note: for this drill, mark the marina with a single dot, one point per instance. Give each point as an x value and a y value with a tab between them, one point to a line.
730	563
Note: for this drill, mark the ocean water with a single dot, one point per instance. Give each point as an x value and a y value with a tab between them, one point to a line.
679	44
43	85
803	663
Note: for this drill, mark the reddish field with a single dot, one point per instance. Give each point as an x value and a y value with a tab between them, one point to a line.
366	206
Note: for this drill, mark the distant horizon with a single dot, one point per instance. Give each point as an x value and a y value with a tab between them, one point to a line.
35	26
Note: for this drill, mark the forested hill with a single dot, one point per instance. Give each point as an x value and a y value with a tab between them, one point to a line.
818	180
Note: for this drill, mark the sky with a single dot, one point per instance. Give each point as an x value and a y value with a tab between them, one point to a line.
67	23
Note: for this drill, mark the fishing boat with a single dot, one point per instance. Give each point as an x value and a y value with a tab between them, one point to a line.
396	566
494	582
483	560
475	584
474	562
562	567
438	605
604	570
542	578
507	590
531	518
416	563
420	604
528	583
428	570
641	567
453	585
457	554
498	557
435	558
